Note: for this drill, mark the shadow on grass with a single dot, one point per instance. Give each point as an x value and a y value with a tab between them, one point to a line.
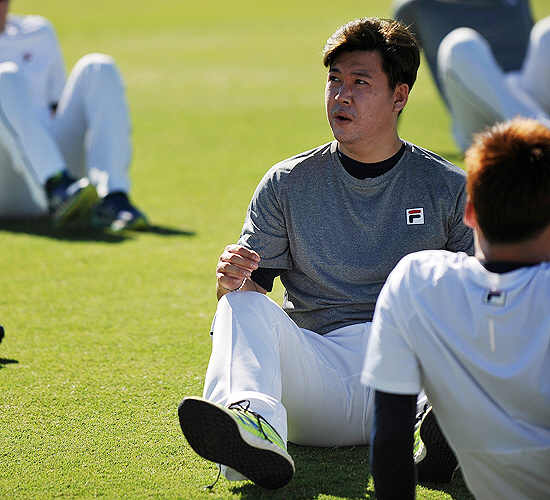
456	489
4	361
341	472
79	231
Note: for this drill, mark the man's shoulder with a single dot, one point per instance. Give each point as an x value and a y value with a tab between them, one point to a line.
426	267
29	24
302	161
435	167
310	155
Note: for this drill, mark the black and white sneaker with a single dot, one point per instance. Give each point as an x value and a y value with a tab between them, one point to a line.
434	459
237	438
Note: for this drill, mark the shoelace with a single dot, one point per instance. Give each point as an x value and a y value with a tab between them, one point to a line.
244	406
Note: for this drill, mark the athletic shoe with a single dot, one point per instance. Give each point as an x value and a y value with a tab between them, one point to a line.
117	213
69	198
435	461
237	438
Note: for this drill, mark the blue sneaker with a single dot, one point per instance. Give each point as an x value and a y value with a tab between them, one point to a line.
69	198
237	438
117	213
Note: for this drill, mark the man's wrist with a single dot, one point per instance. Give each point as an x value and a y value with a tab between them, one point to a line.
235	289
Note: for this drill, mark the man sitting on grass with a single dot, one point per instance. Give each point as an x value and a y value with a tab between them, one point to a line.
332	222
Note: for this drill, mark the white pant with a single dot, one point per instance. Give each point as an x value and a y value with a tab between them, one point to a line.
479	93
306	385
89	135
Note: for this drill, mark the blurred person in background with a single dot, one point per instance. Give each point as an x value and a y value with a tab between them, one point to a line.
489	60
65	145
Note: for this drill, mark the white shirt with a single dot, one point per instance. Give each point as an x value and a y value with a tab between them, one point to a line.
31	43
479	343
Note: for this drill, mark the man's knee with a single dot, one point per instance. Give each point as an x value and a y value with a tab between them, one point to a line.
540	35
252	308
10	75
246	301
460	46
9	68
98	65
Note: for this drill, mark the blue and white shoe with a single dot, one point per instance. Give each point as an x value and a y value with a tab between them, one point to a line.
117	213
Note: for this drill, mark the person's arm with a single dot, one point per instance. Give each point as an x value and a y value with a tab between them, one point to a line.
391	454
235	266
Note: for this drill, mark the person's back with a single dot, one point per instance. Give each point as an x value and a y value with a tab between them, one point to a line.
474	332
505	24
483	340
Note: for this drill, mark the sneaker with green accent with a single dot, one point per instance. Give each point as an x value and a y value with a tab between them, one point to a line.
237	438
69	198
434	459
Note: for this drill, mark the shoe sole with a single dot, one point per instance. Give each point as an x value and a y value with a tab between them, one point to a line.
440	463
75	206
215	435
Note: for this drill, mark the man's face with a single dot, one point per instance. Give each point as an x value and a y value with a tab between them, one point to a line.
361	107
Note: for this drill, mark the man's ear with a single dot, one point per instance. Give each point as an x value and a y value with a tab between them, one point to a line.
470	218
401	96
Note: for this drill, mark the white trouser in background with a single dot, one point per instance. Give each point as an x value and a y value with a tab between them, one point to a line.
89	135
306	385
479	93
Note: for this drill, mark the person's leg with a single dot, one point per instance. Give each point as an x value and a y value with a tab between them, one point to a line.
16	199
92	127
259	354
263	362
29	154
478	92
535	73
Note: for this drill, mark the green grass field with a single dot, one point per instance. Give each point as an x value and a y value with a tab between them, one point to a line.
106	333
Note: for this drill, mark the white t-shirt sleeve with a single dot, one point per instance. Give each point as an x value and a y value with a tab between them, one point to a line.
390	363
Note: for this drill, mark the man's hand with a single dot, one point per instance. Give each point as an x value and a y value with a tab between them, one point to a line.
235	266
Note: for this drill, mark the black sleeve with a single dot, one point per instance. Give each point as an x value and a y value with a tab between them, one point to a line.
391	456
265	277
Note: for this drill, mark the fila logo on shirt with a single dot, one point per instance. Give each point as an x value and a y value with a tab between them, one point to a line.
415	216
495	298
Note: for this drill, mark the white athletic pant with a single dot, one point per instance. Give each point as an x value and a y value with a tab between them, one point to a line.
479	93
306	385
89	135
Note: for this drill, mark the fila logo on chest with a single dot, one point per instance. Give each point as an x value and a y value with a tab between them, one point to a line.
415	216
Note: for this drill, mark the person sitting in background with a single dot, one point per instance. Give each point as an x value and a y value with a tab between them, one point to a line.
63	141
474	332
488	60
